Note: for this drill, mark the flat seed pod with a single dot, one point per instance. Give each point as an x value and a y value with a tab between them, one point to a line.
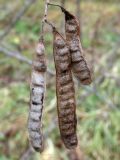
37	89
66	105
72	29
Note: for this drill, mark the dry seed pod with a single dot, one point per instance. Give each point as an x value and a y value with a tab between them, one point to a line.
66	105
79	65
37	89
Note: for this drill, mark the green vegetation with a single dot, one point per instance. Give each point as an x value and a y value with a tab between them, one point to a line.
98	106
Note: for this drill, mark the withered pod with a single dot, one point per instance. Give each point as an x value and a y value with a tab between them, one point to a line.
37	90
66	104
80	67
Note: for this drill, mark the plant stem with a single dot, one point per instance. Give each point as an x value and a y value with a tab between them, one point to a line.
44	19
57	5
49	23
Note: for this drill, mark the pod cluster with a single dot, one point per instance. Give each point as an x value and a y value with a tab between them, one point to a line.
68	58
37	90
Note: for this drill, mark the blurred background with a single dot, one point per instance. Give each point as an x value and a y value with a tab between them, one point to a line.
98	105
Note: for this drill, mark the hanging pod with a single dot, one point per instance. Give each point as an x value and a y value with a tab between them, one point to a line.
66	104
37	90
79	65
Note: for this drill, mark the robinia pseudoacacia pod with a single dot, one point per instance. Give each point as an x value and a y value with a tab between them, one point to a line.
66	104
37	90
79	65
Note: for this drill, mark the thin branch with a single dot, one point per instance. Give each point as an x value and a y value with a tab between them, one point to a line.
102	98
20	57
78	15
44	19
15	54
50	24
28	154
17	17
62	21
78	9
57	5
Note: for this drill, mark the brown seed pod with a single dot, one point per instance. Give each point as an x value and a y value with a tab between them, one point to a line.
66	105
37	89
79	65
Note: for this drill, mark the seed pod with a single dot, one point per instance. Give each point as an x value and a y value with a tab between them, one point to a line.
37	89
66	105
79	65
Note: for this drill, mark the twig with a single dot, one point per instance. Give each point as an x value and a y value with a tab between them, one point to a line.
28	154
78	9
15	54
57	5
15	19
50	24
93	90
21	58
62	21
78	14
44	19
